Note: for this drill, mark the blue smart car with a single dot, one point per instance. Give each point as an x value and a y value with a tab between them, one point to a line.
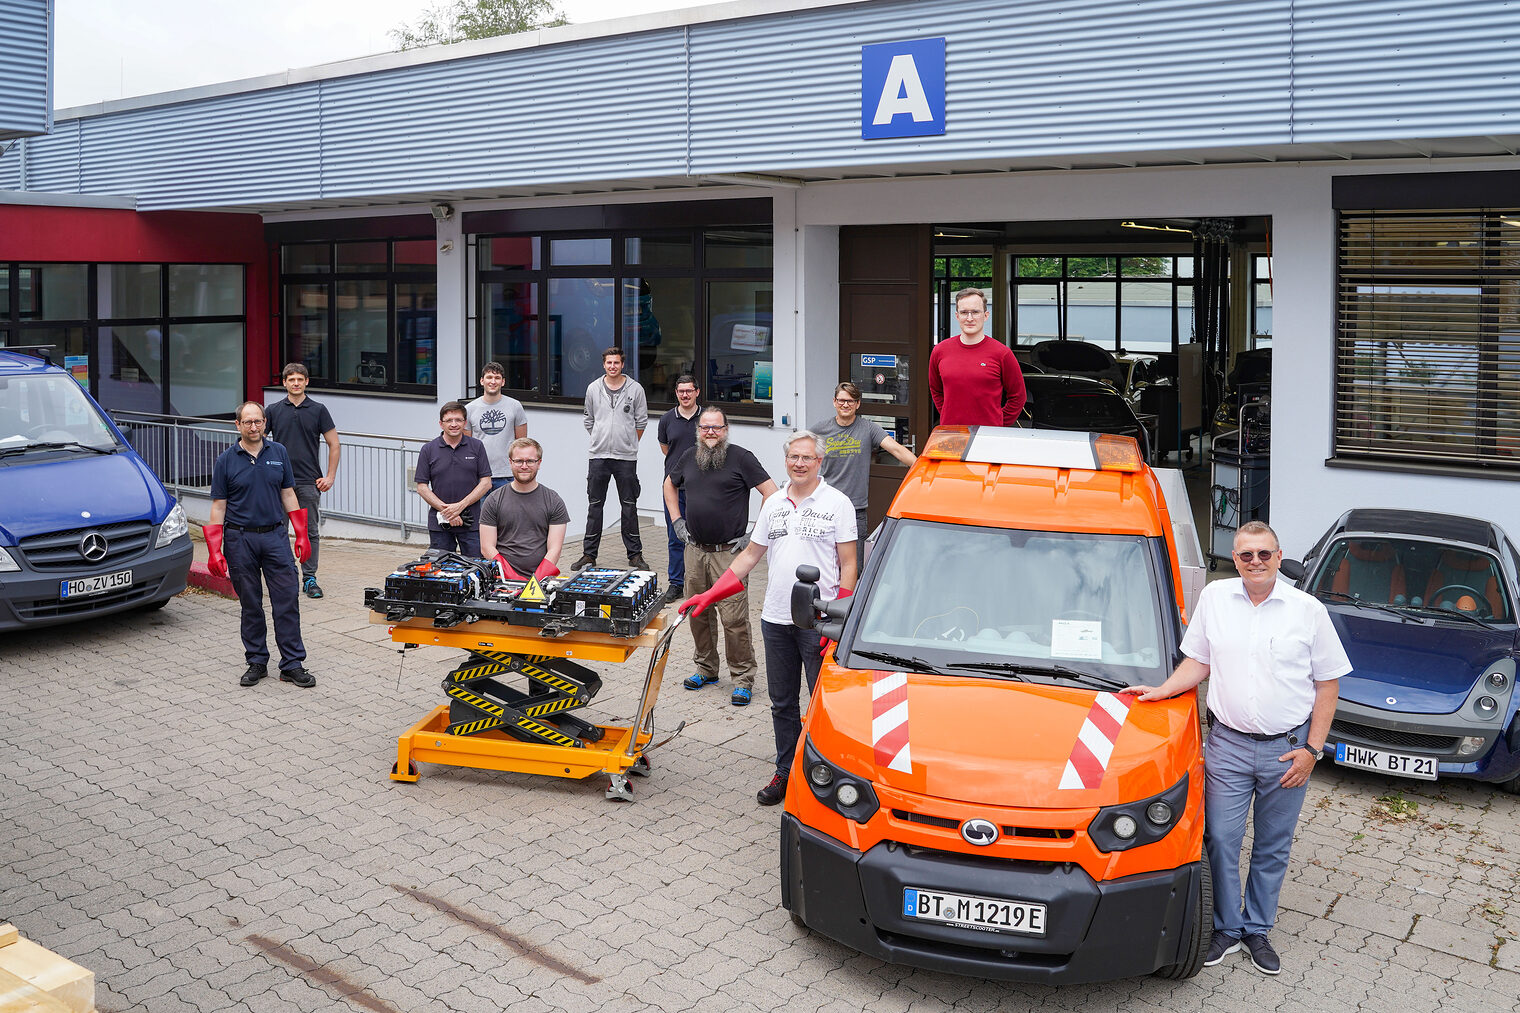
1425	606
86	528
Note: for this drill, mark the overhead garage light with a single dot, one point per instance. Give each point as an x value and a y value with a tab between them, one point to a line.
752	179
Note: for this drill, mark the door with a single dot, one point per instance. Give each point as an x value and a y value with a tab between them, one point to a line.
885	327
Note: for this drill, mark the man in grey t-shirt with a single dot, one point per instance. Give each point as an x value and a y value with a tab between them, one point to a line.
496	421
850	441
522	525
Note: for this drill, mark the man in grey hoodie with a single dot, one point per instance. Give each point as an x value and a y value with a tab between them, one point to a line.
616	415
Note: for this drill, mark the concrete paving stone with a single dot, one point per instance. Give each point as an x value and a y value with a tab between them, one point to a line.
1379	918
1457	940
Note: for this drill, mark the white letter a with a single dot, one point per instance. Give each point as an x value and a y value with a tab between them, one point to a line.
902	92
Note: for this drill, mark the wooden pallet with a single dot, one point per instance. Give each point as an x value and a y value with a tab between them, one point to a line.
37	980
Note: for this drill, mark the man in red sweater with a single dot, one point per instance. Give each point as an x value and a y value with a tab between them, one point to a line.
974	380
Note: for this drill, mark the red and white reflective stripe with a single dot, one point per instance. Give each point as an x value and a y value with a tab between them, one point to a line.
1095	742
889	720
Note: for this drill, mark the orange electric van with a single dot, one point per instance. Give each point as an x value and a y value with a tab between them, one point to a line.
970	794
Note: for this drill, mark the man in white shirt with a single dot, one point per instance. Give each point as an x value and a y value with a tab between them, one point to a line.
1274	664
808	522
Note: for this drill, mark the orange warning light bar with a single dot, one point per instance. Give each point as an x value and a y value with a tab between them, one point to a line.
948	443
1117	453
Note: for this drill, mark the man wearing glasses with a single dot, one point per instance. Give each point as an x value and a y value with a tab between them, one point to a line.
850	442
807	523
1273	662
522	524
707	497
974	380
677	433
252	492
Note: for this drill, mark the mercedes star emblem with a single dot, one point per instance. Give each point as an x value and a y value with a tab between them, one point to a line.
980	832
93	546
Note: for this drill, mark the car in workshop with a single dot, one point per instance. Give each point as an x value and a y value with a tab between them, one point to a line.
1081	404
1425	606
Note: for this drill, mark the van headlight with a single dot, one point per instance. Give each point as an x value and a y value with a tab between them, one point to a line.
8	563
847	794
174	526
1131	824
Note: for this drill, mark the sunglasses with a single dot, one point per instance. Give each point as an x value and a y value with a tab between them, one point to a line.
1262	554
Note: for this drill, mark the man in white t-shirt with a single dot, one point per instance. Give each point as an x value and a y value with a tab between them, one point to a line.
496	421
808	522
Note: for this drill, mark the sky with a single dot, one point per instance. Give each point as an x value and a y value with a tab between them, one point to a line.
109	49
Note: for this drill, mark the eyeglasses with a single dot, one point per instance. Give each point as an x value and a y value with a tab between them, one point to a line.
532	461
712	429
250	422
1262	554
969	313
799	459
845	400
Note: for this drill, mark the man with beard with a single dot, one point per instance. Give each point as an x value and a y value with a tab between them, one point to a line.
716	480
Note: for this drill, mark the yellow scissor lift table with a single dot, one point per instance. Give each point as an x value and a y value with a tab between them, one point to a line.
547	738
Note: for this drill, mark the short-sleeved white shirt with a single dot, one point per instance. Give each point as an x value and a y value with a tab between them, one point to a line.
1263	659
797	534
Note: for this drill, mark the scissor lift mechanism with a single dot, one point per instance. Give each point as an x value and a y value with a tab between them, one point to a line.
490	725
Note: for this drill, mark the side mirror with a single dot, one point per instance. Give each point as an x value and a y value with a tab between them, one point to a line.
1294	570
835	613
805	598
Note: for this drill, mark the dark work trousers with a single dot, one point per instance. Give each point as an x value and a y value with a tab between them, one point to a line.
789	652
308	497
676	571
266	554
464	539
626	475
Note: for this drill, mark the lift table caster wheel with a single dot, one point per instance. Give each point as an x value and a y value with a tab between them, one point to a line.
640	766
410	775
618	790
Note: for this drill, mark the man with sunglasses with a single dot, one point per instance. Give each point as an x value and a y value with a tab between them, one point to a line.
1274	662
707	496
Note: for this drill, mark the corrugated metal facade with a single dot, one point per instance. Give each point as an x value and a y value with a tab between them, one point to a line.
779	92
26	67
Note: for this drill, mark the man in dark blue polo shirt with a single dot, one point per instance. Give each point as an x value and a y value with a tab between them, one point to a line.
678	434
453	473
252	492
299	423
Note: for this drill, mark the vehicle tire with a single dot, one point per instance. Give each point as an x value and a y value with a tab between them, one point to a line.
154	606
1197	946
1512	785
797	919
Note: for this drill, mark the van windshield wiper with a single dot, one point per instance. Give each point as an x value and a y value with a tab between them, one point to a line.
70	445
1016	667
1355	602
898	661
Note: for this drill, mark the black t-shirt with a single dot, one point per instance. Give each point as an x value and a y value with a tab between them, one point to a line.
717	502
679	434
300	428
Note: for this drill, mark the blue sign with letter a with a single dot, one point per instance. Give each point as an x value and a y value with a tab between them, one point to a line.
902	89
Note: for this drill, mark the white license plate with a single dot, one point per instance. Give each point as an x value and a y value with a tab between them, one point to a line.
86	586
986	914
1401	764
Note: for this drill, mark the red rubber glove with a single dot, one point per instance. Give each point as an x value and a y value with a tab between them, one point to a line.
727	586
303	541
507	573
545	569
216	562
824	642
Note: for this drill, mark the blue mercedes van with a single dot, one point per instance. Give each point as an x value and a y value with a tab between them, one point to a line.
86	528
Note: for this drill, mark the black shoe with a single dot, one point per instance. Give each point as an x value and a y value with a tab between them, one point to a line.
298	676
773	792
1219	948
1262	954
676	592
311	588
583	562
253	675
636	562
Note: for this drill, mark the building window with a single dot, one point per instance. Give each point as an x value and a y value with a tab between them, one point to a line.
1123	303
153	338
1427	346
362	315
675	301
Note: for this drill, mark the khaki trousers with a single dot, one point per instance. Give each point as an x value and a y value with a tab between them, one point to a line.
703	569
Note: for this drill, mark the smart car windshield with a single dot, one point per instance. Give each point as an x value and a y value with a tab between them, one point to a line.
50	412
1418	576
1053	606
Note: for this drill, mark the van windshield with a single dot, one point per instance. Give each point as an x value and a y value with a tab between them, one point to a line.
951	594
42	412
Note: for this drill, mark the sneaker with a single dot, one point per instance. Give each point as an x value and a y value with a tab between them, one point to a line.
773	792
675	592
697	680
636	562
741	696
253	675
1262	955
311	588
298	676
1219	948
583	562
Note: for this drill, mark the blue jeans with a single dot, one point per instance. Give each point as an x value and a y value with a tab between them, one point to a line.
676	570
1239	772
464	540
255	559
789	653
497	483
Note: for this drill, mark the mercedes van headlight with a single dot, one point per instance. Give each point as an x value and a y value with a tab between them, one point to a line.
174	526
8	563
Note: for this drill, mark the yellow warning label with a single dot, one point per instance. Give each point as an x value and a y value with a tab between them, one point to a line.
606	611
533	593
551	707
479	702
474	672
475	727
544	731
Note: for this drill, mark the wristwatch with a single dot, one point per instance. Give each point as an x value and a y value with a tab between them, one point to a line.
1318	754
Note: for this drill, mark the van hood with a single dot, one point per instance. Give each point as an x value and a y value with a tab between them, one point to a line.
995	742
53	493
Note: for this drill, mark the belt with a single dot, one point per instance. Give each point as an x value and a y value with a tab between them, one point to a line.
725	547
255	530
1258	736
